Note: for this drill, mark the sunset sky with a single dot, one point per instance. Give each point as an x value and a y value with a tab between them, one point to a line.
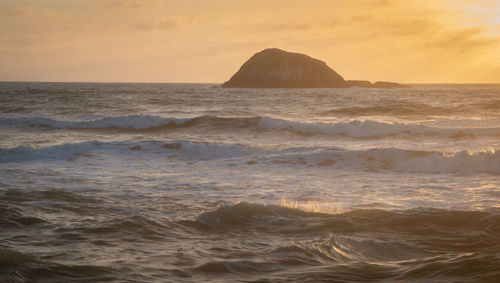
421	41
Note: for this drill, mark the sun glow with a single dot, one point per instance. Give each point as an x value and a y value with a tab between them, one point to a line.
205	41
311	206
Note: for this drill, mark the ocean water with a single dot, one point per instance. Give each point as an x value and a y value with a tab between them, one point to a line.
194	183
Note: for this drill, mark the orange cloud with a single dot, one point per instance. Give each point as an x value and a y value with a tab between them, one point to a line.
167	40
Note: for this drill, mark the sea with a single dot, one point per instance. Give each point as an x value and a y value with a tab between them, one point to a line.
152	182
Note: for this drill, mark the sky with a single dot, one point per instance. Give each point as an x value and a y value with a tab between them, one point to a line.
409	41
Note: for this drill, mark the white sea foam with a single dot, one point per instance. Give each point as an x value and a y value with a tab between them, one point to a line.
24	153
353	129
184	150
401	160
371	128
377	159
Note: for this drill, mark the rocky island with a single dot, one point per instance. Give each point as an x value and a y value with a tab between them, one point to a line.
276	68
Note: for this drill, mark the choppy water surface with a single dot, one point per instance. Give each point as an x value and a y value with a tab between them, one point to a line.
193	183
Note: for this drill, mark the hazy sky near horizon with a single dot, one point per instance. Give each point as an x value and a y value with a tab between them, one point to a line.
428	41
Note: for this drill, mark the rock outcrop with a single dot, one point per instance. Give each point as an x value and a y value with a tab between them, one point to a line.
388	85
276	68
354	83
357	83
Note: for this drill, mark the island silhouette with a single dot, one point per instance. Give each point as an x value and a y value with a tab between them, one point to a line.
276	68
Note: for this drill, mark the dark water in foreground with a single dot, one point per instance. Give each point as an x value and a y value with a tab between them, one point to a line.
191	183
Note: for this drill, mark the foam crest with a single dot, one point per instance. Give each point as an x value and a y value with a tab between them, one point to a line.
353	129
24	153
401	160
371	128
182	149
485	161
376	159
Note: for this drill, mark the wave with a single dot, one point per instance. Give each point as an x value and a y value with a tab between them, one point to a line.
63	151
186	150
375	159
413	109
16	266
353	129
373	129
392	109
360	245
138	122
403	160
121	227
282	219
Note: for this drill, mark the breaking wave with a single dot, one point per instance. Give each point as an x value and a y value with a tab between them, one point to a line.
353	129
371	128
24	153
375	159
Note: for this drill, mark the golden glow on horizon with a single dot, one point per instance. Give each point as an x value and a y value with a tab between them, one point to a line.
430	41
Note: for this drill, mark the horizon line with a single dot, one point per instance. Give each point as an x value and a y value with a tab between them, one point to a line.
215	83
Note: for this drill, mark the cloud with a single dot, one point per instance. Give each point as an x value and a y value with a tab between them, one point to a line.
464	40
366	39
